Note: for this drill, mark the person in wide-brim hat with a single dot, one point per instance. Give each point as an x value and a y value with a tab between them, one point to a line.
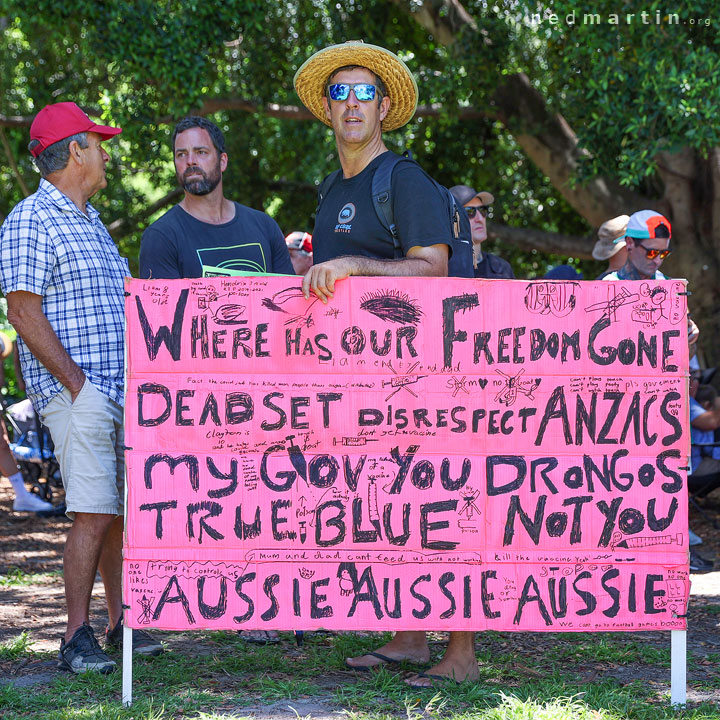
311	79
611	238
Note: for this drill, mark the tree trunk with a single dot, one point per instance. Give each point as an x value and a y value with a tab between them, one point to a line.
692	204
691	198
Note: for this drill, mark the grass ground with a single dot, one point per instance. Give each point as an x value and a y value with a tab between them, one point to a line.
214	676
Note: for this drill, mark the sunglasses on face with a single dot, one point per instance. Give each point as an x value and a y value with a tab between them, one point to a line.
652	254
482	209
364	92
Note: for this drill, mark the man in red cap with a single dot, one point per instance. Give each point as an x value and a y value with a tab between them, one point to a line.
64	282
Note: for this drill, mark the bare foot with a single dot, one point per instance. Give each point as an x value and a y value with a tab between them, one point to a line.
444	671
410	646
458	664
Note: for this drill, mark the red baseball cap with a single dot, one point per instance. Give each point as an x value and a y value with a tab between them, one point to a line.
56	122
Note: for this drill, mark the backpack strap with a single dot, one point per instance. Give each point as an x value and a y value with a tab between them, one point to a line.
325	186
382	196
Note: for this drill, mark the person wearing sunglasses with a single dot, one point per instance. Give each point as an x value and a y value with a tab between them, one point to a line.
361	91
647	239
477	205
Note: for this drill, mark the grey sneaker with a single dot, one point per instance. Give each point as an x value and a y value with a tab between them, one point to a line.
83	653
143	642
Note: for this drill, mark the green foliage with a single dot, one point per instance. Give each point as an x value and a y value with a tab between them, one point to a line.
629	90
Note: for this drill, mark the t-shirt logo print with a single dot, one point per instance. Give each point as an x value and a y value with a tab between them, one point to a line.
347	213
345	216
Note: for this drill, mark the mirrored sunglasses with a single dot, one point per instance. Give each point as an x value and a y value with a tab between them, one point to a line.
652	254
482	209
364	92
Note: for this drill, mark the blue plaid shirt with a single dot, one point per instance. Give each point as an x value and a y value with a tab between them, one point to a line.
50	248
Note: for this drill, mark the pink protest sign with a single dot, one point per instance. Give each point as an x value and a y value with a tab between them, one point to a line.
417	454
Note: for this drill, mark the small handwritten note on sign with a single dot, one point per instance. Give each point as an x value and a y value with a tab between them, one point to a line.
416	454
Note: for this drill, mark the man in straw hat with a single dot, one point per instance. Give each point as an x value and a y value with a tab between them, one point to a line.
361	90
611	244
64	282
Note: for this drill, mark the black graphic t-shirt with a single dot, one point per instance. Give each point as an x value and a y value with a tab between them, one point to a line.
347	223
180	246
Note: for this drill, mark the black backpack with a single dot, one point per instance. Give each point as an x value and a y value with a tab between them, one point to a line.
460	263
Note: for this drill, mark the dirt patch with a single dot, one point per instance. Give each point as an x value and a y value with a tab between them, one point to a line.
34	545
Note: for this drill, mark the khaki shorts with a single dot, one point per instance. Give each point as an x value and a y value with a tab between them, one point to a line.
89	443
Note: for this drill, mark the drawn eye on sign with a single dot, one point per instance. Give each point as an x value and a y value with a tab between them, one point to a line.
555	298
392	306
229	314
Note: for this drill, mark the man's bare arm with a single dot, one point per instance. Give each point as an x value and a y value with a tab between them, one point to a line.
710	419
420	261
26	315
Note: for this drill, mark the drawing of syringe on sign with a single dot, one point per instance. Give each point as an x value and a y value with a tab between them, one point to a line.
619	541
468	510
401	382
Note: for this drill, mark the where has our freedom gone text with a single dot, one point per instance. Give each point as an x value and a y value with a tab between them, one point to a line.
323	486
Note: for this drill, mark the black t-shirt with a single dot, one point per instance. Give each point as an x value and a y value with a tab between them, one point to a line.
492	266
347	223
180	246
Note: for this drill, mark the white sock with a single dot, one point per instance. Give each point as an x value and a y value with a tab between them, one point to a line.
18	484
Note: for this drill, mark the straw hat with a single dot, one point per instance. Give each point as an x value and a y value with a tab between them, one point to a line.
402	90
611	238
